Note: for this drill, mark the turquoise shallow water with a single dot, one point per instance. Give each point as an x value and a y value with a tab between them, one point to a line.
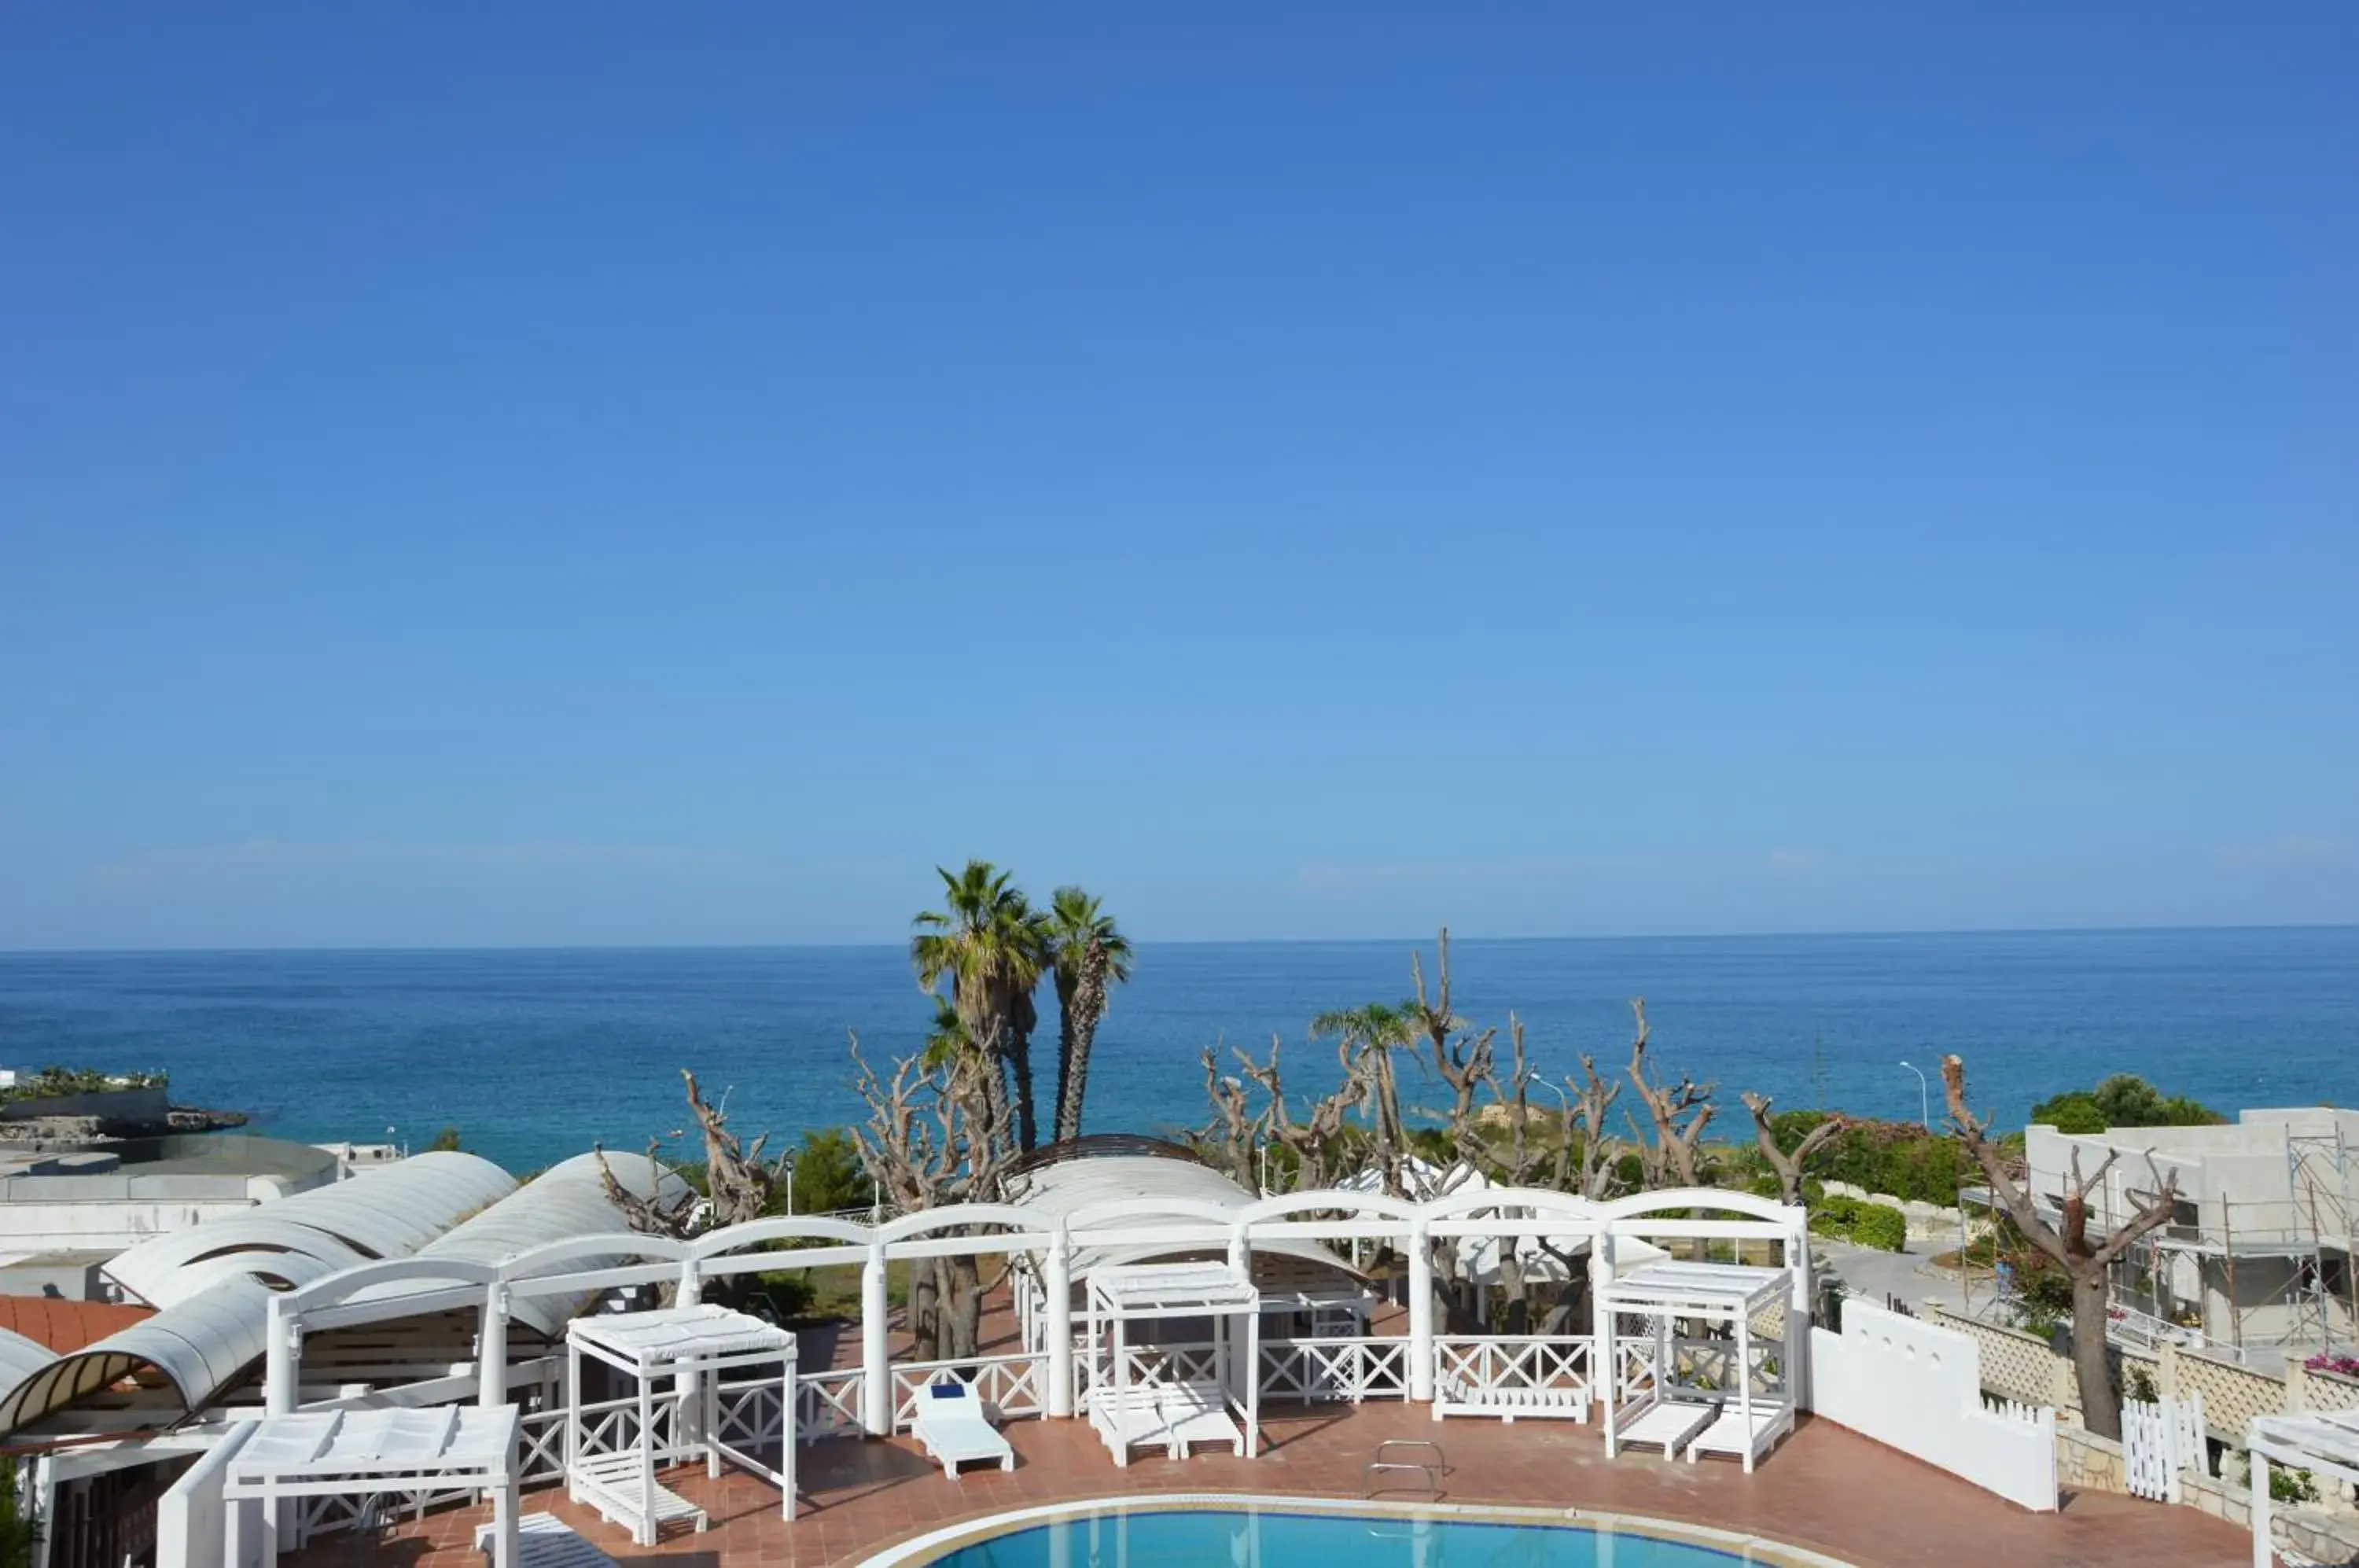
1246	1538
533	1054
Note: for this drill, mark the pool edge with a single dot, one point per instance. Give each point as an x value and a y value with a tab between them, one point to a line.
939	1542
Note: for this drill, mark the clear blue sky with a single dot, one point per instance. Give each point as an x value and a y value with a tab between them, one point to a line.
671	474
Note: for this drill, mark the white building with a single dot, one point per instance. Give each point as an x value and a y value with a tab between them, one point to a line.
2258	1252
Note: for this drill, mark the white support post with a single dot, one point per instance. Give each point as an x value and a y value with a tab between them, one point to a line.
283	1353
1253	1382
492	1349
1058	1286
1744	1382
642	1531
875	1351
2259	1483
572	1416
786	1417
1605	1363
1420	1314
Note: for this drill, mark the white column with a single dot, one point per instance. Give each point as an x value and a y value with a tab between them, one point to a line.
1057	1285
643	1528
1797	1358
1420	1315
1744	1382
492	1349
1604	1366
2259	1481
283	1353
876	1351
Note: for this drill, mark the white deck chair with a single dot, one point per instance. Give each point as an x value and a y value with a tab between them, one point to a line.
1672	1424
1197	1415
950	1426
544	1540
1133	1418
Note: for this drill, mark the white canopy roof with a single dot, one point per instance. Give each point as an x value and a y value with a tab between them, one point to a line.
1730	1288
200	1346
1070	1186
21	1357
567	1199
452	1441
648	1339
1171	1290
2328	1439
389	1211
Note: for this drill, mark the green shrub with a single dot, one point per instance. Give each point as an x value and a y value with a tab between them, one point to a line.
58	1081
2123	1100
1879	1225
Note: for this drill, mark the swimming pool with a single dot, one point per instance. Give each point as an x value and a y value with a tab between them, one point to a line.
1287	1532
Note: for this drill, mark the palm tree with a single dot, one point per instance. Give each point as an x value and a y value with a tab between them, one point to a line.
1370	1035
991	945
1087	955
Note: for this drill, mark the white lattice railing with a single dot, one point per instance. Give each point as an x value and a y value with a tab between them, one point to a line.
1698	1363
374	1510
1323	1370
541	1436
1491	1364
828	1404
1146	1365
1014	1385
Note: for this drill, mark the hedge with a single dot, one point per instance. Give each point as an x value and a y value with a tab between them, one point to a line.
1879	1225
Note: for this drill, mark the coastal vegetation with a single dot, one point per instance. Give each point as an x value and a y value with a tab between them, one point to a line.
955	1119
2122	1100
52	1083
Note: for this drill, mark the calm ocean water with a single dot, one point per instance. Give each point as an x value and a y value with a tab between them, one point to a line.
533	1054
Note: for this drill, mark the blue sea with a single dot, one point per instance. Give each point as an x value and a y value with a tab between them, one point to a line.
532	1055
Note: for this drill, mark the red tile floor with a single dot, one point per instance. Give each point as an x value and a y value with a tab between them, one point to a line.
1824	1488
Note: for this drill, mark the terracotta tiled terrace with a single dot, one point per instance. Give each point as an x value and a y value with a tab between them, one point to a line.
1824	1488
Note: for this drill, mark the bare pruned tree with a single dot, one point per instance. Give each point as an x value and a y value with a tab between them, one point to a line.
1788	1167
1234	1130
1678	1114
1460	1056
738	1185
2085	1262
1593	1101
1319	1146
933	1138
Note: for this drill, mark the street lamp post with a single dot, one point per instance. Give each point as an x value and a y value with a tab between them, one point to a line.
1924	1096
787	1164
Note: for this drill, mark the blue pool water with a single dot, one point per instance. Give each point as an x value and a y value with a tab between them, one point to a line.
1251	1537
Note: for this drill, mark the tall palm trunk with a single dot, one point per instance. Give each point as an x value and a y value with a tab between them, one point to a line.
1021	1021
1082	1011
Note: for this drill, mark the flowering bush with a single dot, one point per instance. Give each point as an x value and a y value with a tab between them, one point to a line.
2345	1365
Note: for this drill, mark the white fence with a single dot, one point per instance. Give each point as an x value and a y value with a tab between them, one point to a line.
1323	1371
2159	1442
1012	1385
1911	1386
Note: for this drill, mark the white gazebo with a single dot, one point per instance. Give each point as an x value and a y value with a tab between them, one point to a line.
693	1347
1679	1403
1177	1404
2328	1441
359	1453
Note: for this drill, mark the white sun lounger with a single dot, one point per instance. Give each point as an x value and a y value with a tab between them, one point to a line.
544	1540
1460	1398
1672	1423
1198	1416
950	1425
1730	1434
1133	1418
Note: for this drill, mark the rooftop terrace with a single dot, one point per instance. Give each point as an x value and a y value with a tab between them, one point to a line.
1829	1490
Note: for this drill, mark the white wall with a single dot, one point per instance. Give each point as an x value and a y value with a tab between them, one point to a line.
1918	1388
191	1516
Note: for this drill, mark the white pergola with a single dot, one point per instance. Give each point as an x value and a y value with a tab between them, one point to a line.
1690	1415
691	1346
2325	1441
356	1452
1145	1292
